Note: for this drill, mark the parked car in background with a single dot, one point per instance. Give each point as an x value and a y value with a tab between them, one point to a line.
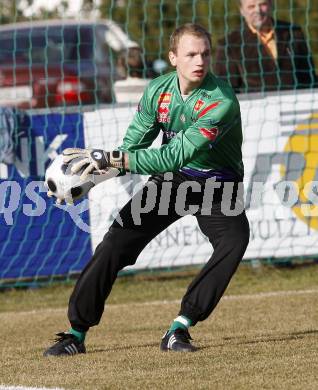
58	62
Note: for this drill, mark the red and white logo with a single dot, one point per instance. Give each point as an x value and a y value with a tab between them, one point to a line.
199	103
210	134
163	110
163	107
164	98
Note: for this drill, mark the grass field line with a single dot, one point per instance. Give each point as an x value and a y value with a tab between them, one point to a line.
237	297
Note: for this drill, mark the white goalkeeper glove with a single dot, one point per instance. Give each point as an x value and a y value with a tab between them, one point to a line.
94	161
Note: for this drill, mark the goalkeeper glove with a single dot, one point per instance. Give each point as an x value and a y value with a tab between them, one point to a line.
93	160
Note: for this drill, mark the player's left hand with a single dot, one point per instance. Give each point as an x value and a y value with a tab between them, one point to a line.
92	160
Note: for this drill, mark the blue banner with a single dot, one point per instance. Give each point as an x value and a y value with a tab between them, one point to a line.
39	239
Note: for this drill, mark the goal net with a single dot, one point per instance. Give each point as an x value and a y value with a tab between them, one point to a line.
77	83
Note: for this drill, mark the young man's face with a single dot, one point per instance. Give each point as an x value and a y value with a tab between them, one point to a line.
257	13
192	61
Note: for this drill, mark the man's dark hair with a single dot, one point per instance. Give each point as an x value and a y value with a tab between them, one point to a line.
188	28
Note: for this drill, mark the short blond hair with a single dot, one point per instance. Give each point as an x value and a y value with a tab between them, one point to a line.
187	28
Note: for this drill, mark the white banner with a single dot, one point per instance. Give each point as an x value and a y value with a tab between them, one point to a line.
280	153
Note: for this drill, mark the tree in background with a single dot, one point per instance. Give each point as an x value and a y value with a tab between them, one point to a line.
21	10
151	22
9	10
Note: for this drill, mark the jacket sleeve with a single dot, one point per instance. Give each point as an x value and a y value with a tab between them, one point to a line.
207	130
144	127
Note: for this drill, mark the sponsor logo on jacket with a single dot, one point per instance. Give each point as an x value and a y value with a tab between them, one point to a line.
199	103
167	136
205	95
164	98
170	134
163	107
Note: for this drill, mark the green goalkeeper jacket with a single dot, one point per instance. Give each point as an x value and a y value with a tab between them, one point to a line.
202	135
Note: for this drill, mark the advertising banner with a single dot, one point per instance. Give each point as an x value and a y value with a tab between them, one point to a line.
280	153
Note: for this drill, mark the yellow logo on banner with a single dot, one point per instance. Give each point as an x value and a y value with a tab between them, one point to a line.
305	143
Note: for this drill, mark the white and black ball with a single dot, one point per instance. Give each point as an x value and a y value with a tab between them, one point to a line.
63	184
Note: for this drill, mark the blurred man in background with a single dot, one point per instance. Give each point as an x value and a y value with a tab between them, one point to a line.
264	54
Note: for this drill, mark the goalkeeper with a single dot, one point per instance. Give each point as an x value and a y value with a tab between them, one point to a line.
199	116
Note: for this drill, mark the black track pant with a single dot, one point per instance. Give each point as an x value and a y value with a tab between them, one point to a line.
124	241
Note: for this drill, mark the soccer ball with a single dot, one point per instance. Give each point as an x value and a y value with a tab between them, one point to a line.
63	184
